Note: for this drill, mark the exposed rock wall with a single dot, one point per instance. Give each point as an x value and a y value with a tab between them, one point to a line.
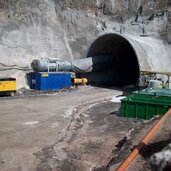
65	29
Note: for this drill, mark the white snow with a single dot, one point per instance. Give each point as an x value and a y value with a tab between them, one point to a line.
116	99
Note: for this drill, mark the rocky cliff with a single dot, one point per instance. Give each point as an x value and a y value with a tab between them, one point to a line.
65	29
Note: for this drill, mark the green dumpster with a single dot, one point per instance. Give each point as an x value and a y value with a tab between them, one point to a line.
144	106
154	92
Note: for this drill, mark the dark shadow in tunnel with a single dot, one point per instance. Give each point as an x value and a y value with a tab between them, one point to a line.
122	70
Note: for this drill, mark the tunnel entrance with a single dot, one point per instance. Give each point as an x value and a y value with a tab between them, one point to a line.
122	70
111	61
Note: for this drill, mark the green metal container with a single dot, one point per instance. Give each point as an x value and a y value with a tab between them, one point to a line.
144	106
154	92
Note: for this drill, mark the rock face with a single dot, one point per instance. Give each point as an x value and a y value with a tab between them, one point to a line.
65	29
161	160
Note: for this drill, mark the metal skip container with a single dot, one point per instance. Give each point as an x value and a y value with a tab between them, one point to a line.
50	81
144	106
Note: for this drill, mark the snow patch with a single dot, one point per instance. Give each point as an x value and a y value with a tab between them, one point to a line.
31	123
116	99
69	112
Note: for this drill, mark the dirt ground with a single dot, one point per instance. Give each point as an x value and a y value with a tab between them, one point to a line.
157	143
97	133
78	131
160	140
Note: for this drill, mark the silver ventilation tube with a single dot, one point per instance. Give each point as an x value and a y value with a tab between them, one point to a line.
77	66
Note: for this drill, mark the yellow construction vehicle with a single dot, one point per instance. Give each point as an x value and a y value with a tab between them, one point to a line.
7	86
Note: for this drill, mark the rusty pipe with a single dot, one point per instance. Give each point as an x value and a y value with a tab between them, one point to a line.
124	165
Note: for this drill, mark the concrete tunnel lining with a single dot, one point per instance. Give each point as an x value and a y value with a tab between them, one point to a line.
124	67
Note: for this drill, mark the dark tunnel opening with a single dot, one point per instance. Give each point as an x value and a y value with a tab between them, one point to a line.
122	70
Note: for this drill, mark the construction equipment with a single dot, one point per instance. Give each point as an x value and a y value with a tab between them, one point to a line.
80	81
77	66
54	74
7	86
51	80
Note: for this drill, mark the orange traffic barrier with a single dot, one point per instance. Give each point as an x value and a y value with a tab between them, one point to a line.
124	165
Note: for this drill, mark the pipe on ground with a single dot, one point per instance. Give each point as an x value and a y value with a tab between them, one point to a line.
125	164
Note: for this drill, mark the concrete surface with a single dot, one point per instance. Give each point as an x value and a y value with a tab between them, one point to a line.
30	125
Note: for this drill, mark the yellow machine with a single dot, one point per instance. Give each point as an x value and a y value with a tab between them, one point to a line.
80	81
7	86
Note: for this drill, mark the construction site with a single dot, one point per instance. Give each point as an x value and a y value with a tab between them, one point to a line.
85	85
